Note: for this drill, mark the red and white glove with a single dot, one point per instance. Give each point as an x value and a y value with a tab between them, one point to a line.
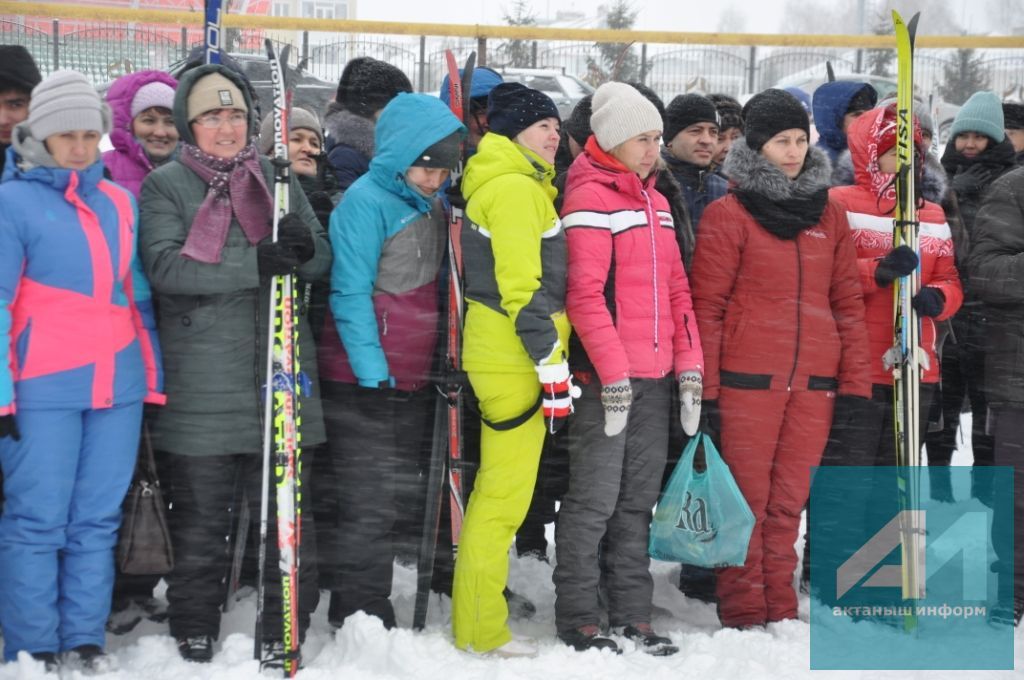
557	393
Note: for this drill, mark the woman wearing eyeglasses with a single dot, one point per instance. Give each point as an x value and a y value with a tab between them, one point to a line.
206	243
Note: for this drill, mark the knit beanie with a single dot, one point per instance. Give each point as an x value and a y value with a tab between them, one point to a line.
66	101
152	94
211	92
686	110
982	113
298	119
443	154
513	107
367	85
18	69
864	100
621	112
1013	116
578	125
770	112
730	113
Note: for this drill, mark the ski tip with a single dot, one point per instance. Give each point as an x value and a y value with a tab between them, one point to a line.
912	26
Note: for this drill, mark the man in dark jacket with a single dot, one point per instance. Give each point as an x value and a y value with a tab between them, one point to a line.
691	141
996	266
836	105
18	75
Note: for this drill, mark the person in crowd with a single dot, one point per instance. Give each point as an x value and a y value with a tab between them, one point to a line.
775	275
862	432
730	127
207	245
484	80
979	152
515	344
691	143
835	106
389	238
18	76
364	89
995	275
622	418
1013	122
79	358
144	137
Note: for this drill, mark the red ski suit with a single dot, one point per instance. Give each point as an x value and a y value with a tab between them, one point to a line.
781	320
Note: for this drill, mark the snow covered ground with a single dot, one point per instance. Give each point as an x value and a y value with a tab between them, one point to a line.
363	650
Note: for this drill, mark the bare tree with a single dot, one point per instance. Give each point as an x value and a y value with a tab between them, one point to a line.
518	53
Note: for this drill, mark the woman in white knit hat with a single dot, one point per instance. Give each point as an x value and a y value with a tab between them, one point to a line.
629	301
70	412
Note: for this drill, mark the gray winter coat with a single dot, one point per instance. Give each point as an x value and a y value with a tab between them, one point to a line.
213	318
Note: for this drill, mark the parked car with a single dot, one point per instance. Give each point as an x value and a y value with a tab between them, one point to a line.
565	90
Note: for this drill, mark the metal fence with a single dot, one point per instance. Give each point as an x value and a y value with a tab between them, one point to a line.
106	50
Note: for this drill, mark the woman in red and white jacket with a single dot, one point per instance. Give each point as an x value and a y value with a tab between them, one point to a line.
862	429
781	318
629	302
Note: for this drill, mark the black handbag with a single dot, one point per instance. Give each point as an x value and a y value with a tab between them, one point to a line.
144	546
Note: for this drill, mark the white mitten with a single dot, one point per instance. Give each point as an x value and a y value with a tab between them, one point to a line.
691	386
616	398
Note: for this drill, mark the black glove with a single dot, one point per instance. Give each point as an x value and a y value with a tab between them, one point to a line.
293	233
898	262
322	206
928	301
275	259
971	181
455	197
9	428
710	419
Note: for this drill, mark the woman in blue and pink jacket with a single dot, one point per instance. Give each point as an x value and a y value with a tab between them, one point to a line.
78	356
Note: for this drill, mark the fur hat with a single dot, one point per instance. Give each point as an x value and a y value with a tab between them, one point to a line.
298	119
686	110
770	112
152	94
66	101
982	113
367	85
211	92
18	69
621	112
513	107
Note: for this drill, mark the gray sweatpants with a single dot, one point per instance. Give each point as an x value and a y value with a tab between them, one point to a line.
614	483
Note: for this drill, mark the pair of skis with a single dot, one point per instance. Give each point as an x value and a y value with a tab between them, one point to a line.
446	454
908	359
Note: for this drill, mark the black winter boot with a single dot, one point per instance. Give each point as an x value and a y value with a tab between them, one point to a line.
198	648
588	637
648	641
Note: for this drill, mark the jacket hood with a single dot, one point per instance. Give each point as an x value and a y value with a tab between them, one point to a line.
188	81
119	97
408	125
28	159
345	127
933	185
830	103
484	80
498	155
751	171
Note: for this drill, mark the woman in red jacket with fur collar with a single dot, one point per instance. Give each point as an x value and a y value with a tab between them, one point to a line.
781	320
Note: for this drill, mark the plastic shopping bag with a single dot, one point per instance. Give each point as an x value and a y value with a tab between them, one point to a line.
701	518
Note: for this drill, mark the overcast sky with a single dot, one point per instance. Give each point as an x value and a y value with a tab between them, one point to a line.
679	15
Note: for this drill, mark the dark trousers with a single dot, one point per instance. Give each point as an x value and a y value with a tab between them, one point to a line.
963	371
205	490
1008	433
379	443
862	435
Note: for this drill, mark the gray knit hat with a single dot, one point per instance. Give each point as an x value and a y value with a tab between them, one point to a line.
982	113
621	112
66	101
297	119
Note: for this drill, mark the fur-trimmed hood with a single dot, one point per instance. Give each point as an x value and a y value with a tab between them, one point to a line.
751	171
344	127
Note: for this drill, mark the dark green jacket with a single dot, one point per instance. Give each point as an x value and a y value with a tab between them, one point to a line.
213	318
